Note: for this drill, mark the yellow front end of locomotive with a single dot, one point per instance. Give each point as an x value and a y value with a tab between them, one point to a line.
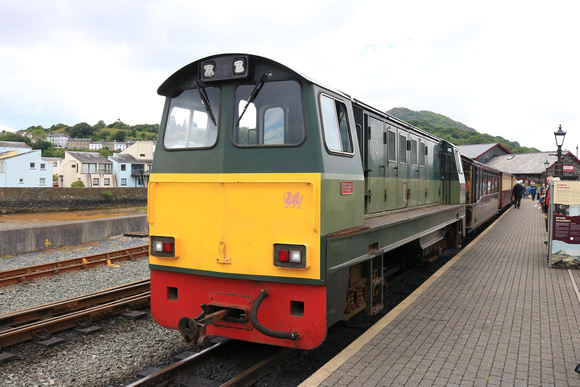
236	224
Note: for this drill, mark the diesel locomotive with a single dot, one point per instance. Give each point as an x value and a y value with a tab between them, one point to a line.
278	206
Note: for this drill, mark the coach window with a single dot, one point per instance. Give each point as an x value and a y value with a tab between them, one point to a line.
192	120
335	124
274	117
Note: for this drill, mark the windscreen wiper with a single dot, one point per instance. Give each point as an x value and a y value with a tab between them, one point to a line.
205	102
254	93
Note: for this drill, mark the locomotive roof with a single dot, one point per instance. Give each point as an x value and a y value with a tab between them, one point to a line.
168	86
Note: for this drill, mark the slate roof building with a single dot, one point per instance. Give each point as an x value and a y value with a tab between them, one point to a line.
92	168
20	147
529	167
483	152
20	166
532	167
132	166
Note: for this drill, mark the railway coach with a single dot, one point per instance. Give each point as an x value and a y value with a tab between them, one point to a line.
488	192
278	206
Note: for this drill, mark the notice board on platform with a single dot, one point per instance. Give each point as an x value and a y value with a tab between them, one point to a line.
564	220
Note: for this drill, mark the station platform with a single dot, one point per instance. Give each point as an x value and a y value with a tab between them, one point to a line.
495	315
23	233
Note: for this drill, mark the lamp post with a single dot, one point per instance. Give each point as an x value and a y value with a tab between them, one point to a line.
559	135
546	165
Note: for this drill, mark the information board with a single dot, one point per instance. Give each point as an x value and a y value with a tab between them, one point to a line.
564	230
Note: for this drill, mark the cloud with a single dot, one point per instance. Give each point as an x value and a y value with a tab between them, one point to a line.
506	69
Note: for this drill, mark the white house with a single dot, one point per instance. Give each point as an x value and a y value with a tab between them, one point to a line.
133	166
25	169
92	168
96	145
58	139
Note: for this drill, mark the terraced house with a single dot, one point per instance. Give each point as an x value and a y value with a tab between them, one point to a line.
20	166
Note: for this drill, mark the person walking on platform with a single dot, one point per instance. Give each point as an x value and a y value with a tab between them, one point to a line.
533	192
517	193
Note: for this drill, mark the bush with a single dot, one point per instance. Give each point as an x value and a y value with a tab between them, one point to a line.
79	184
107	195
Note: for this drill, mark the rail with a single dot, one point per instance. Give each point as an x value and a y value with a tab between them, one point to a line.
28	324
44	270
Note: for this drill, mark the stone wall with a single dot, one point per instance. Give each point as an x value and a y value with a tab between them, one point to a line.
27	200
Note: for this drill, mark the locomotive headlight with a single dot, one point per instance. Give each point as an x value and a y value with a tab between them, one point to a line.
163	247
239	66
290	256
295	256
208	69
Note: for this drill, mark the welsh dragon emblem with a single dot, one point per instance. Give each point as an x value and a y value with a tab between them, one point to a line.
292	200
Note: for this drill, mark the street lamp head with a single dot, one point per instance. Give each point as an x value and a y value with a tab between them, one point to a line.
559	135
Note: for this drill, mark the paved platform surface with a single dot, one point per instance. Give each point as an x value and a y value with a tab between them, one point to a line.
496	315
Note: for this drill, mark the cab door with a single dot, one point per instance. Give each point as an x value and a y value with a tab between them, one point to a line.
392	169
403	169
413	184
422	179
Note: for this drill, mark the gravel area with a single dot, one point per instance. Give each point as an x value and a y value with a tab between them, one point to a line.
54	288
107	358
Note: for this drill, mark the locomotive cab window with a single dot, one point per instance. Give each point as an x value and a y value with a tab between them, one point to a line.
272	117
336	125
192	119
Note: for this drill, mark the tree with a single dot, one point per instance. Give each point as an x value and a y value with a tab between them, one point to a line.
38	135
9	136
43	145
119	125
58	127
31	129
82	130
120	135
101	124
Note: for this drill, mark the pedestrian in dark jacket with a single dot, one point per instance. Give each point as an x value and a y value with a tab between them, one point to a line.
517	193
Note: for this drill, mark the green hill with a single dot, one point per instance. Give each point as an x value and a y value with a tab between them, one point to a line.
454	131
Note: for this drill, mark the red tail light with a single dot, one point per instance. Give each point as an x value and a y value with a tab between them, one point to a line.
283	256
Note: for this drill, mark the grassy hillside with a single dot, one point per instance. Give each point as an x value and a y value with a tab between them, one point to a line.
454	131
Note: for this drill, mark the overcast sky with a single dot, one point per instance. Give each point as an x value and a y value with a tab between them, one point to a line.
506	68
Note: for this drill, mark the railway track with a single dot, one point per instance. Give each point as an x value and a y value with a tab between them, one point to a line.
44	270
78	312
185	368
